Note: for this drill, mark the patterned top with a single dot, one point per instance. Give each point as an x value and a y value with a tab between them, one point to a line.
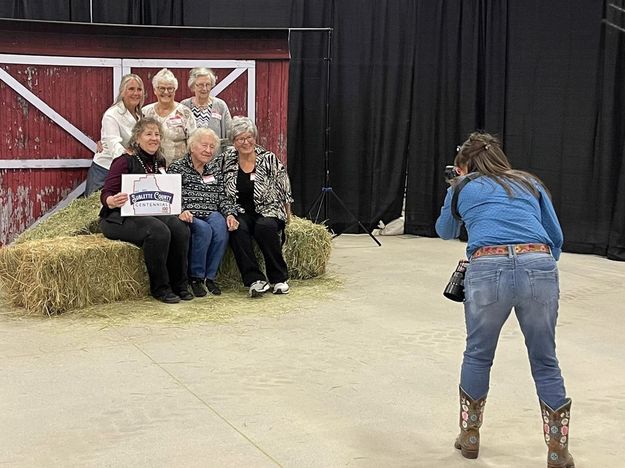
202	194
178	125
272	187
215	116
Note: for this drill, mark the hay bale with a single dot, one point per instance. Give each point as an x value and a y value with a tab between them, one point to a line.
54	275
306	252
53	267
307	248
77	218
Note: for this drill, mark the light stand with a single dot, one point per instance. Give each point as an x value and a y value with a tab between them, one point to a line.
322	200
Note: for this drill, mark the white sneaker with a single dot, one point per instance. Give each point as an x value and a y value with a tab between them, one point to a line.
281	288
258	288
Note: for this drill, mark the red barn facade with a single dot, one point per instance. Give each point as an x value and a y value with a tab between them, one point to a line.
57	79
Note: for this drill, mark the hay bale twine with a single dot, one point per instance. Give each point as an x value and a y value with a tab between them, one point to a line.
54	275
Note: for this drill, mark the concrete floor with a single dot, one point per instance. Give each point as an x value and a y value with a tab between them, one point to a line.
364	377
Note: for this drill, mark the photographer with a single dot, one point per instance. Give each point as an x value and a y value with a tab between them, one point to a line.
514	240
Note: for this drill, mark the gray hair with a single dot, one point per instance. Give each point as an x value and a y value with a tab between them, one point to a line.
199	133
197	72
241	125
164	75
122	89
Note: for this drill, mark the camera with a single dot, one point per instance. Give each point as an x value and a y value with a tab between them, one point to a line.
455	288
451	172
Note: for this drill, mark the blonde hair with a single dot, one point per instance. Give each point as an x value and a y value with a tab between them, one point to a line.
123	85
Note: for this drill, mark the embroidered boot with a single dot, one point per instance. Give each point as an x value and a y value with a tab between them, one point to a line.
556	428
468	441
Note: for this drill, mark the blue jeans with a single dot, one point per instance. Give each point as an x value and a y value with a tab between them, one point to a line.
96	175
209	239
493	286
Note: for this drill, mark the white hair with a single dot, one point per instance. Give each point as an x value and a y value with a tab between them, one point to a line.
164	76
196	72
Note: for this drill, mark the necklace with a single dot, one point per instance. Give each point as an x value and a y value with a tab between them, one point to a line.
145	168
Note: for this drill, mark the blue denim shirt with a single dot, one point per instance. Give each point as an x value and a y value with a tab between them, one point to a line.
492	217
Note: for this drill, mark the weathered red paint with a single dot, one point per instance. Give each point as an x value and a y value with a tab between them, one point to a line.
82	94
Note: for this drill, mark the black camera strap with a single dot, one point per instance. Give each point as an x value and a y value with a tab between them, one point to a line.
457	189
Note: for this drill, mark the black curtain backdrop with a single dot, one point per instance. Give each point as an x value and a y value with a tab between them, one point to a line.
411	78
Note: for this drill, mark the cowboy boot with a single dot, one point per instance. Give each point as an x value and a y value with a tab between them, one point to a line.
468	441
556	428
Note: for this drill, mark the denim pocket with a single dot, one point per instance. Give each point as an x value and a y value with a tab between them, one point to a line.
545	285
482	287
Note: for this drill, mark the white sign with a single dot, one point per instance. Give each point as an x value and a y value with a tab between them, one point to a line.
152	194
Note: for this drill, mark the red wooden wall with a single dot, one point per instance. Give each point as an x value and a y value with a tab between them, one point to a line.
82	94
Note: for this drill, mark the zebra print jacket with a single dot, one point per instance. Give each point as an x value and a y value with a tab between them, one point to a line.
272	187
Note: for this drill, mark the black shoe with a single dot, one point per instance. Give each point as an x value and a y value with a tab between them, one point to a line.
168	298
212	287
197	286
185	295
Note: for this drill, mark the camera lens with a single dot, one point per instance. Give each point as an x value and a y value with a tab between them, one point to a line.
455	288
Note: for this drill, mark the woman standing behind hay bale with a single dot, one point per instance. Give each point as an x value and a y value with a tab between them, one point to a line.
208	111
204	206
117	124
257	182
176	120
164	239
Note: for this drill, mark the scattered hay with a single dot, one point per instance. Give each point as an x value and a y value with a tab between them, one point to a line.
54	275
79	217
232	304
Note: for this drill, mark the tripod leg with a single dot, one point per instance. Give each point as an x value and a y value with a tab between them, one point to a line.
354	217
319	200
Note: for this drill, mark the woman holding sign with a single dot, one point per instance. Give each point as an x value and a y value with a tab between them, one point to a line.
164	239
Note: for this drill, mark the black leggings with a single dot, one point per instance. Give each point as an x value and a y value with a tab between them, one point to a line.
267	232
165	243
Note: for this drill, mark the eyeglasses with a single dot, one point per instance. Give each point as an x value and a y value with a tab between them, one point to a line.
203	85
241	140
168	89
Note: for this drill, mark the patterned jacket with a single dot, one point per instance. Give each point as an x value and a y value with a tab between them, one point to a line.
202	194
272	187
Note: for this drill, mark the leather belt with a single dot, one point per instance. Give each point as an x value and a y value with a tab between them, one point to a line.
517	249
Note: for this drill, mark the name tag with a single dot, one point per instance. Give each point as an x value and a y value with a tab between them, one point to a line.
175	122
252	176
208	179
215	115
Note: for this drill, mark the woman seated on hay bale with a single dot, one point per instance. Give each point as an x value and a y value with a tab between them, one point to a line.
164	239
204	206
258	184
